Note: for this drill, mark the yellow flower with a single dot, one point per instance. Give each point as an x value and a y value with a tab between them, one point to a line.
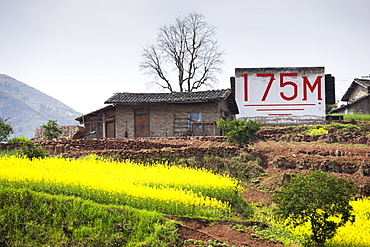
159	182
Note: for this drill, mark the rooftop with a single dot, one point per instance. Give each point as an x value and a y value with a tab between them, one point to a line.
175	97
361	82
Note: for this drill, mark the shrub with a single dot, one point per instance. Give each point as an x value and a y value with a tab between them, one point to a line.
240	131
32	150
317	198
18	139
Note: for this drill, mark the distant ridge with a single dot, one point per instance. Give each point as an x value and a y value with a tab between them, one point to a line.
28	108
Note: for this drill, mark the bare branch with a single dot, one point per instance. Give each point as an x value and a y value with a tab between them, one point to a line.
188	48
151	65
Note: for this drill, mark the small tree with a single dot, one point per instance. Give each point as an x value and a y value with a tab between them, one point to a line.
241	131
316	198
5	129
51	130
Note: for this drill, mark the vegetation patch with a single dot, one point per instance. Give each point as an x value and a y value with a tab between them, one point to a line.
356	117
30	218
239	131
319	200
168	189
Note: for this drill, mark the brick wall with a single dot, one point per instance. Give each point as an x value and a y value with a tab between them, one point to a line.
162	118
124	121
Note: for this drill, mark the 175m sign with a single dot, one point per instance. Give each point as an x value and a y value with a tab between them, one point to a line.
264	93
288	89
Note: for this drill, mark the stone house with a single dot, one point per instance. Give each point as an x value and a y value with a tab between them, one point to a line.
357	97
131	115
101	121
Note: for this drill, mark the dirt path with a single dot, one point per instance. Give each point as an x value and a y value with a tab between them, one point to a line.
233	233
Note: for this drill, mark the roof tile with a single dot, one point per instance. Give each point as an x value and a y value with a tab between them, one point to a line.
176	97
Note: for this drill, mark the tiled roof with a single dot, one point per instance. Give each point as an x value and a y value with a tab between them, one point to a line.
94	113
176	97
357	82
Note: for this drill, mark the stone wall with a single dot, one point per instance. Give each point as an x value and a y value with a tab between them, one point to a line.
142	148
285	134
67	132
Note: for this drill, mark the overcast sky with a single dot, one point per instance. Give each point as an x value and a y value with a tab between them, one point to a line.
83	51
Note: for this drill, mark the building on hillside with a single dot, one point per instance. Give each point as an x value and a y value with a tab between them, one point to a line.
132	115
357	97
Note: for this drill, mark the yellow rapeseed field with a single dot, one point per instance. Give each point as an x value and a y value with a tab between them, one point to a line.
157	183
355	234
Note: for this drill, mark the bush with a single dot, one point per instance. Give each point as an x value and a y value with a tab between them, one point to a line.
240	131
18	139
317	198
328	108
32	150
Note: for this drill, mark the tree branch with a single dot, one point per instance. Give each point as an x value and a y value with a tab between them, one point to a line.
188	47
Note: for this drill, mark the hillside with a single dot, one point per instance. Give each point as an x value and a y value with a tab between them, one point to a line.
28	108
278	154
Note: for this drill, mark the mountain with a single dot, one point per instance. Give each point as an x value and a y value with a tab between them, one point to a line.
27	108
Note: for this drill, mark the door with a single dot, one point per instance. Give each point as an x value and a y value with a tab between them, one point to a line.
142	123
110	130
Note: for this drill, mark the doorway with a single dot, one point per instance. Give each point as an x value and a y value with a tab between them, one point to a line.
110	130
142	122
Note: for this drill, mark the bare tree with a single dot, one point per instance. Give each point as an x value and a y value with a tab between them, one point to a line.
186	47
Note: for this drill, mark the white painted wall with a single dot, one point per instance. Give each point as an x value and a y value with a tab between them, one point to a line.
281	96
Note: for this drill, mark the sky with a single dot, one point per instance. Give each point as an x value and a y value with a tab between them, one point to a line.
81	52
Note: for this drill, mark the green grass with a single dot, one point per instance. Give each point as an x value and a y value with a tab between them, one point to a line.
103	198
18	139
338	128
29	218
8	153
357	117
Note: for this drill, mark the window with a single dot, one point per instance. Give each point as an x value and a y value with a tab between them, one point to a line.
195	117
